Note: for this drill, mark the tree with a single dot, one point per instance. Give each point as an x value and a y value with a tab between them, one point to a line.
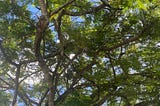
80	52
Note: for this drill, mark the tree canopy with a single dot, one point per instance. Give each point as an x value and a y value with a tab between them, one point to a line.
80	52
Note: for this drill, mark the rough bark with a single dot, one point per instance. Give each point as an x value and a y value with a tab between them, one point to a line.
40	29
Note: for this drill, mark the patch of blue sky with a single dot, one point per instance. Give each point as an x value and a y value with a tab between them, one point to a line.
55	34
21	104
88	91
118	70
96	2
77	19
35	13
61	89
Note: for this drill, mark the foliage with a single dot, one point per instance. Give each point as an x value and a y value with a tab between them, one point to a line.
80	52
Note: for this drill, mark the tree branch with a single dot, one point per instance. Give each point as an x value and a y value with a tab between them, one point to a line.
61	7
75	80
90	11
41	27
26	98
6	82
25	77
127	41
43	97
43	7
100	102
17	85
114	71
62	97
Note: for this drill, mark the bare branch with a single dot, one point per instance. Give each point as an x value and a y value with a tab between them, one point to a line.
43	7
7	83
61	7
25	77
10	77
58	28
17	85
90	11
26	98
43	97
41	27
111	62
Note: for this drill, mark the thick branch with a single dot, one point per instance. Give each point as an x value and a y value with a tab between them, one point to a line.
43	65
58	27
41	27
43	7
17	85
58	23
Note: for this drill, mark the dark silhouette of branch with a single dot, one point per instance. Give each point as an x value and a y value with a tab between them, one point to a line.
43	97
75	81
25	77
111	62
17	85
61	7
90	11
127	41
